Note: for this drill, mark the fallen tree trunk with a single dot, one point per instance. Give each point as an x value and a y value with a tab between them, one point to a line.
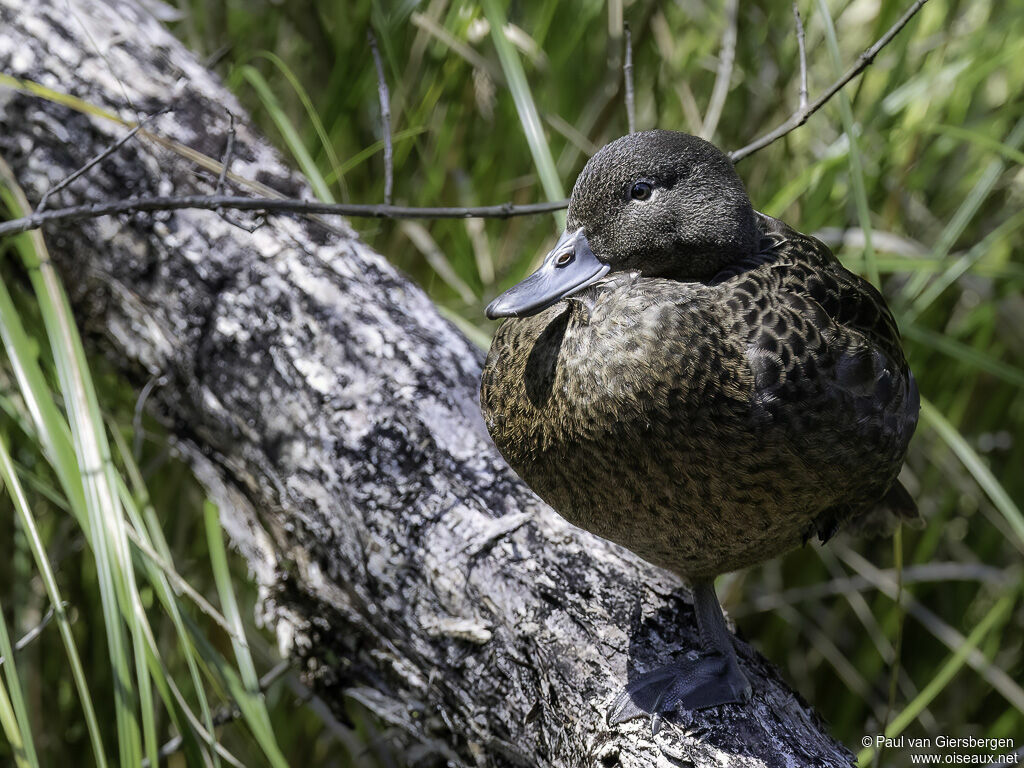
333	415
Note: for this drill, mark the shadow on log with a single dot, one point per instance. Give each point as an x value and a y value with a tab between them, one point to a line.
332	413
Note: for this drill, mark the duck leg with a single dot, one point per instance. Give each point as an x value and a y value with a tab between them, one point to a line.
697	681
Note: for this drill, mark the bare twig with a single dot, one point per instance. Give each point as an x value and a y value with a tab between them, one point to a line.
801	43
627	73
95	161
799	117
504	211
726	59
229	151
225	170
272	205
258	221
33	633
385	118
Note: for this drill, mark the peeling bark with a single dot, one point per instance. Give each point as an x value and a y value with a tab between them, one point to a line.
333	415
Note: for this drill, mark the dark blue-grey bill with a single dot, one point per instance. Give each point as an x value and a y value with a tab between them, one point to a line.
570	267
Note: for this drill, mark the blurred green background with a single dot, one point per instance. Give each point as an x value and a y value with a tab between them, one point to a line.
913	173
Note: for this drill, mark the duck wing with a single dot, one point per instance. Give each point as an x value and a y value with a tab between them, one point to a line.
807	266
830	379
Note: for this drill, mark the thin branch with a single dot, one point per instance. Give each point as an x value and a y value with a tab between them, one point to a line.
801	43
503	211
35	632
627	73
799	117
229	151
225	170
272	205
95	161
385	118
726	59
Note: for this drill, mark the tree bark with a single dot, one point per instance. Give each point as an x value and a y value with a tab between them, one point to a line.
332	413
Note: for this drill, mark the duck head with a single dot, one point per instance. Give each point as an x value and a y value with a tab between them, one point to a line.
657	203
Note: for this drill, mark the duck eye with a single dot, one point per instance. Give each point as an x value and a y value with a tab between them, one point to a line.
641	191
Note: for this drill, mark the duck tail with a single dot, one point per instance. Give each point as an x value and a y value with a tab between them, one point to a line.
897	507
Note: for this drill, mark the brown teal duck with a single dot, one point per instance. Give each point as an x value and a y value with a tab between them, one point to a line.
697	382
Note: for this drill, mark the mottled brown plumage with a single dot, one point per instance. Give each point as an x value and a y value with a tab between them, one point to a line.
725	391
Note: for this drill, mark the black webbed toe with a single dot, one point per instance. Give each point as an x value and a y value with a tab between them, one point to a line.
697	681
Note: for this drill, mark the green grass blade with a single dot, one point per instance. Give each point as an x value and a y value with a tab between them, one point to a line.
101	520
104	514
157	559
150	743
365	154
952	665
41	486
792	191
175	700
976	137
994	677
42	562
288	132
161	574
12	728
480	337
115	576
26	750
57	97
899	264
420	237
35	391
337	174
50	427
226	592
972	461
148	536
965	213
965	353
962	264
523	98
252	705
249	704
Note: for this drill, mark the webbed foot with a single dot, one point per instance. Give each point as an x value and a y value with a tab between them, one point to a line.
694	682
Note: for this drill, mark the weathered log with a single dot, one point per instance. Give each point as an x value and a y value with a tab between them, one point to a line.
333	415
